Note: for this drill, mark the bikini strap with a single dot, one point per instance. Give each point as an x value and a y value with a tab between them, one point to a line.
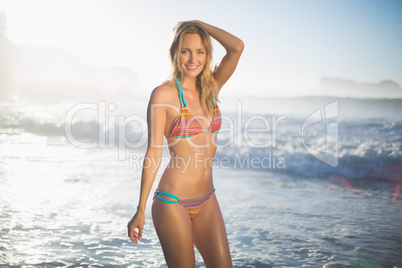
159	193
181	96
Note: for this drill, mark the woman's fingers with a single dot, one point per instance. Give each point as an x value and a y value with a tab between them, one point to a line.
134	235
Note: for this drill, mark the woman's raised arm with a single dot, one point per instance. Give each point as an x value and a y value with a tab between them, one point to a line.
234	48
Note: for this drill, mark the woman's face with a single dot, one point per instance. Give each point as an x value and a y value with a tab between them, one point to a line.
192	55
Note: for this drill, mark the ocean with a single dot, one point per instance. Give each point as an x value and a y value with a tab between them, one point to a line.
302	182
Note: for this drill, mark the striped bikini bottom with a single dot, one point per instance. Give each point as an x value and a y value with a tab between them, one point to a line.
193	206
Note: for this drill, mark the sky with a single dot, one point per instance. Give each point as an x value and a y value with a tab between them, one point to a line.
289	45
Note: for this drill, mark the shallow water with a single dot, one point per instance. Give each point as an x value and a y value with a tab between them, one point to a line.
72	210
291	222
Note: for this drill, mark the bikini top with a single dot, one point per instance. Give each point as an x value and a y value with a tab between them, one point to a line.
186	125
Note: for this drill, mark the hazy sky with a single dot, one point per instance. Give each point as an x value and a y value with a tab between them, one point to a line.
290	45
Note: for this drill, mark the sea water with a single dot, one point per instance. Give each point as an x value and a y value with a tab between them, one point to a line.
307	182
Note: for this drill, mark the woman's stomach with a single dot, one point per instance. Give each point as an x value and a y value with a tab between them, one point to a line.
189	172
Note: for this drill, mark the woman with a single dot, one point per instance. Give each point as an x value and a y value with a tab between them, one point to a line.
185	210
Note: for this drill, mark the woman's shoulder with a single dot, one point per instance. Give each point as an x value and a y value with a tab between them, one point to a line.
164	93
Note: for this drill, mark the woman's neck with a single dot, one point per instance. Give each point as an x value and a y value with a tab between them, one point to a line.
189	83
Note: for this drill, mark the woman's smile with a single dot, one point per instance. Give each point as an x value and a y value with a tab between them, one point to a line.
192	67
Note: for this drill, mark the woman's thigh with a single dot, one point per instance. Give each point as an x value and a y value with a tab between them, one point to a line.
173	227
209	235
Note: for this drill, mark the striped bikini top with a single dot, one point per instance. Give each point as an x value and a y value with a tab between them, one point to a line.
186	125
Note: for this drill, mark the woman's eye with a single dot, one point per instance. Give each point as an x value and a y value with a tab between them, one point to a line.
200	52
184	52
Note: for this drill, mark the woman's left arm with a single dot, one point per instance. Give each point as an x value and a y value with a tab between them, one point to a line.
234	48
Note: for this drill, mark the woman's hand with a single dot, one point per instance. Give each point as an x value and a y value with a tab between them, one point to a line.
136	222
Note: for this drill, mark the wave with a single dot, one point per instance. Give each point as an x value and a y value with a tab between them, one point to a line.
361	147
261	140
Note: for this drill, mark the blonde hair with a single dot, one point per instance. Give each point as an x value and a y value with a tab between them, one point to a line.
205	82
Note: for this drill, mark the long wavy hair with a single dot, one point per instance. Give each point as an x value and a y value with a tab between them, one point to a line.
205	82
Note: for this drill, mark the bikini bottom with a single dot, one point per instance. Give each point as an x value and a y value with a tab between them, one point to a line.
193	206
